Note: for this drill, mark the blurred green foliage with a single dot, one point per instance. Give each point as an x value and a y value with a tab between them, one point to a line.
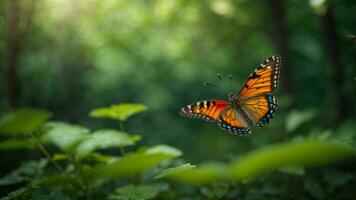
82	167
80	57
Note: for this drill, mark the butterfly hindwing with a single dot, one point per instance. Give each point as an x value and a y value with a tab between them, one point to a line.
264	79
233	122
208	110
260	109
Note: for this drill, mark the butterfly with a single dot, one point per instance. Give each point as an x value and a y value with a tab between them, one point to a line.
253	105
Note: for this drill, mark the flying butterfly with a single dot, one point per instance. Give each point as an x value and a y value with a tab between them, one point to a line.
253	105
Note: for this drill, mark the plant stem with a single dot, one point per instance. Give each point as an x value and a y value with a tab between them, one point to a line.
79	170
121	124
45	152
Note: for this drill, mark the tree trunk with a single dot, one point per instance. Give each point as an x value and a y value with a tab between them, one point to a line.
280	36
12	49
17	22
336	68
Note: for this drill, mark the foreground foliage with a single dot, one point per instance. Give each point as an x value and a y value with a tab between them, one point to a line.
77	166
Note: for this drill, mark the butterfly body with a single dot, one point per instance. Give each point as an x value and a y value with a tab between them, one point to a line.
253	105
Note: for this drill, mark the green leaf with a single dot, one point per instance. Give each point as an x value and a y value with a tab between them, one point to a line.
19	194
215	190
302	154
23	121
314	188
206	173
25	172
164	149
52	192
305	153
103	139
12	144
66	136
296	118
139	192
59	180
119	111
173	170
335	178
59	156
135	163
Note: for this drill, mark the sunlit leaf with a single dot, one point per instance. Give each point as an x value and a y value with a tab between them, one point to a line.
119	112
23	121
102	139
134	163
296	118
305	153
174	170
12	144
66	136
164	149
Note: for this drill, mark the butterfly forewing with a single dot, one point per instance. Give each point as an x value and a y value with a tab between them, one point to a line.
264	79
208	110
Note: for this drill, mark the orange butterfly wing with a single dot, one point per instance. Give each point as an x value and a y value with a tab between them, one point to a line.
233	121
260	109
264	79
208	110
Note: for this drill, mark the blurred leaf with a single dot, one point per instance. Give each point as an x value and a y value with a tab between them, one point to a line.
12	144
216	190
302	153
103	139
59	180
164	149
335	178
295	170
59	156
23	121
296	118
27	171
134	163
173	170
21	193
139	192
47	192
206	173
102	158
119	111
66	136
305	153
314	188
